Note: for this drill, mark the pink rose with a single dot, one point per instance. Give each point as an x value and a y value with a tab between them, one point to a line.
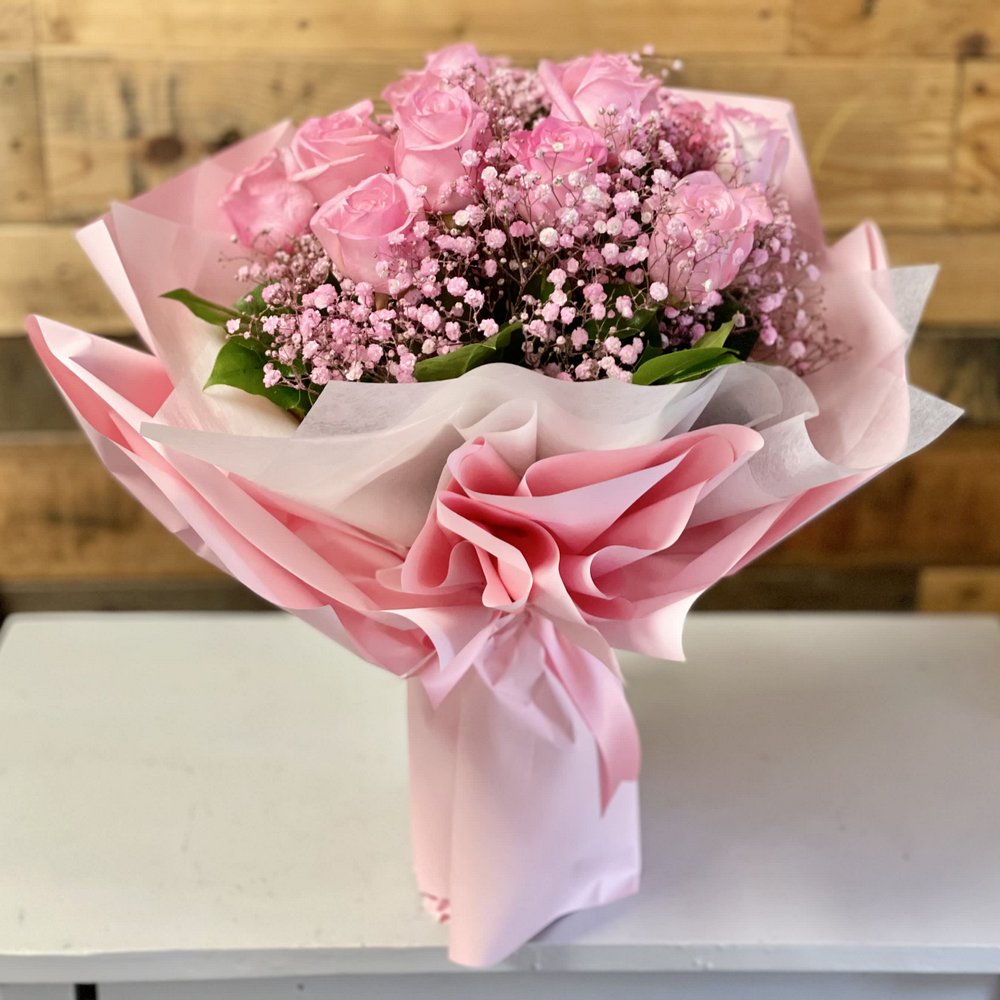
753	151
264	204
437	124
703	234
588	88
557	149
340	150
358	226
446	64
453	59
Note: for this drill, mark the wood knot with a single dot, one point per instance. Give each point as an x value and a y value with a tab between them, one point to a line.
974	45
164	149
225	139
61	29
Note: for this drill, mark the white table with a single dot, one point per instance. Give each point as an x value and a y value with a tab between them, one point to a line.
214	806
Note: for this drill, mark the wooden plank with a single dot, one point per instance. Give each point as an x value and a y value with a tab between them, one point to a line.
938	506
22	188
967	292
62	516
878	132
42	270
17	24
959	588
29	399
681	26
117	126
962	368
756	588
962	28
213	594
976	197
764	587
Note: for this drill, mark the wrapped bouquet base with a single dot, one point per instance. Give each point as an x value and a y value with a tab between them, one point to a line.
685	374
504	778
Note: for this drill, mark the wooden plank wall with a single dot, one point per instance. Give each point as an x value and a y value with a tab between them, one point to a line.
899	102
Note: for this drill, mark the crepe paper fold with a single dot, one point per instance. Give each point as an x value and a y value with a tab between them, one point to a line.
491	538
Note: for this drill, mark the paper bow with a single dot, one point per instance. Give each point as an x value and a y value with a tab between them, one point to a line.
573	540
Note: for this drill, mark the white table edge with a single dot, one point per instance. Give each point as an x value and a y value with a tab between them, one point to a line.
174	966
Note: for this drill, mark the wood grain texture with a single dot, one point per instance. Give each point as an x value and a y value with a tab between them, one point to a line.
937	507
765	587
116	126
976	194
756	588
17	24
962	368
967	292
878	132
22	184
62	516
956	28
959	588
311	26
220	593
899	104
42	270
879	135
959	365
29	400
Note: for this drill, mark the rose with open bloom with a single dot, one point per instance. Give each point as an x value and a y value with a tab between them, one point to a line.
703	234
565	156
437	124
265	205
339	150
446	64
358	226
595	89
753	150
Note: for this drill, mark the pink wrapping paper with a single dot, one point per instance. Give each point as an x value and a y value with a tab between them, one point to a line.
492	538
533	815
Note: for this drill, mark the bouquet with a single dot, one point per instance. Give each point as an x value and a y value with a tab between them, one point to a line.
485	387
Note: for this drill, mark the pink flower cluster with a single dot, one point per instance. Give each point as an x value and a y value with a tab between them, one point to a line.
585	212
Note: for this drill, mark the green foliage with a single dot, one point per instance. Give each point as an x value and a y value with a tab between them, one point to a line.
252	304
502	346
240	363
683	366
711	352
210	312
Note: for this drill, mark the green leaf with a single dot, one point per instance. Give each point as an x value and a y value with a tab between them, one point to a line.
682	366
643	319
252	304
210	312
467	357
240	365
717	338
743	341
